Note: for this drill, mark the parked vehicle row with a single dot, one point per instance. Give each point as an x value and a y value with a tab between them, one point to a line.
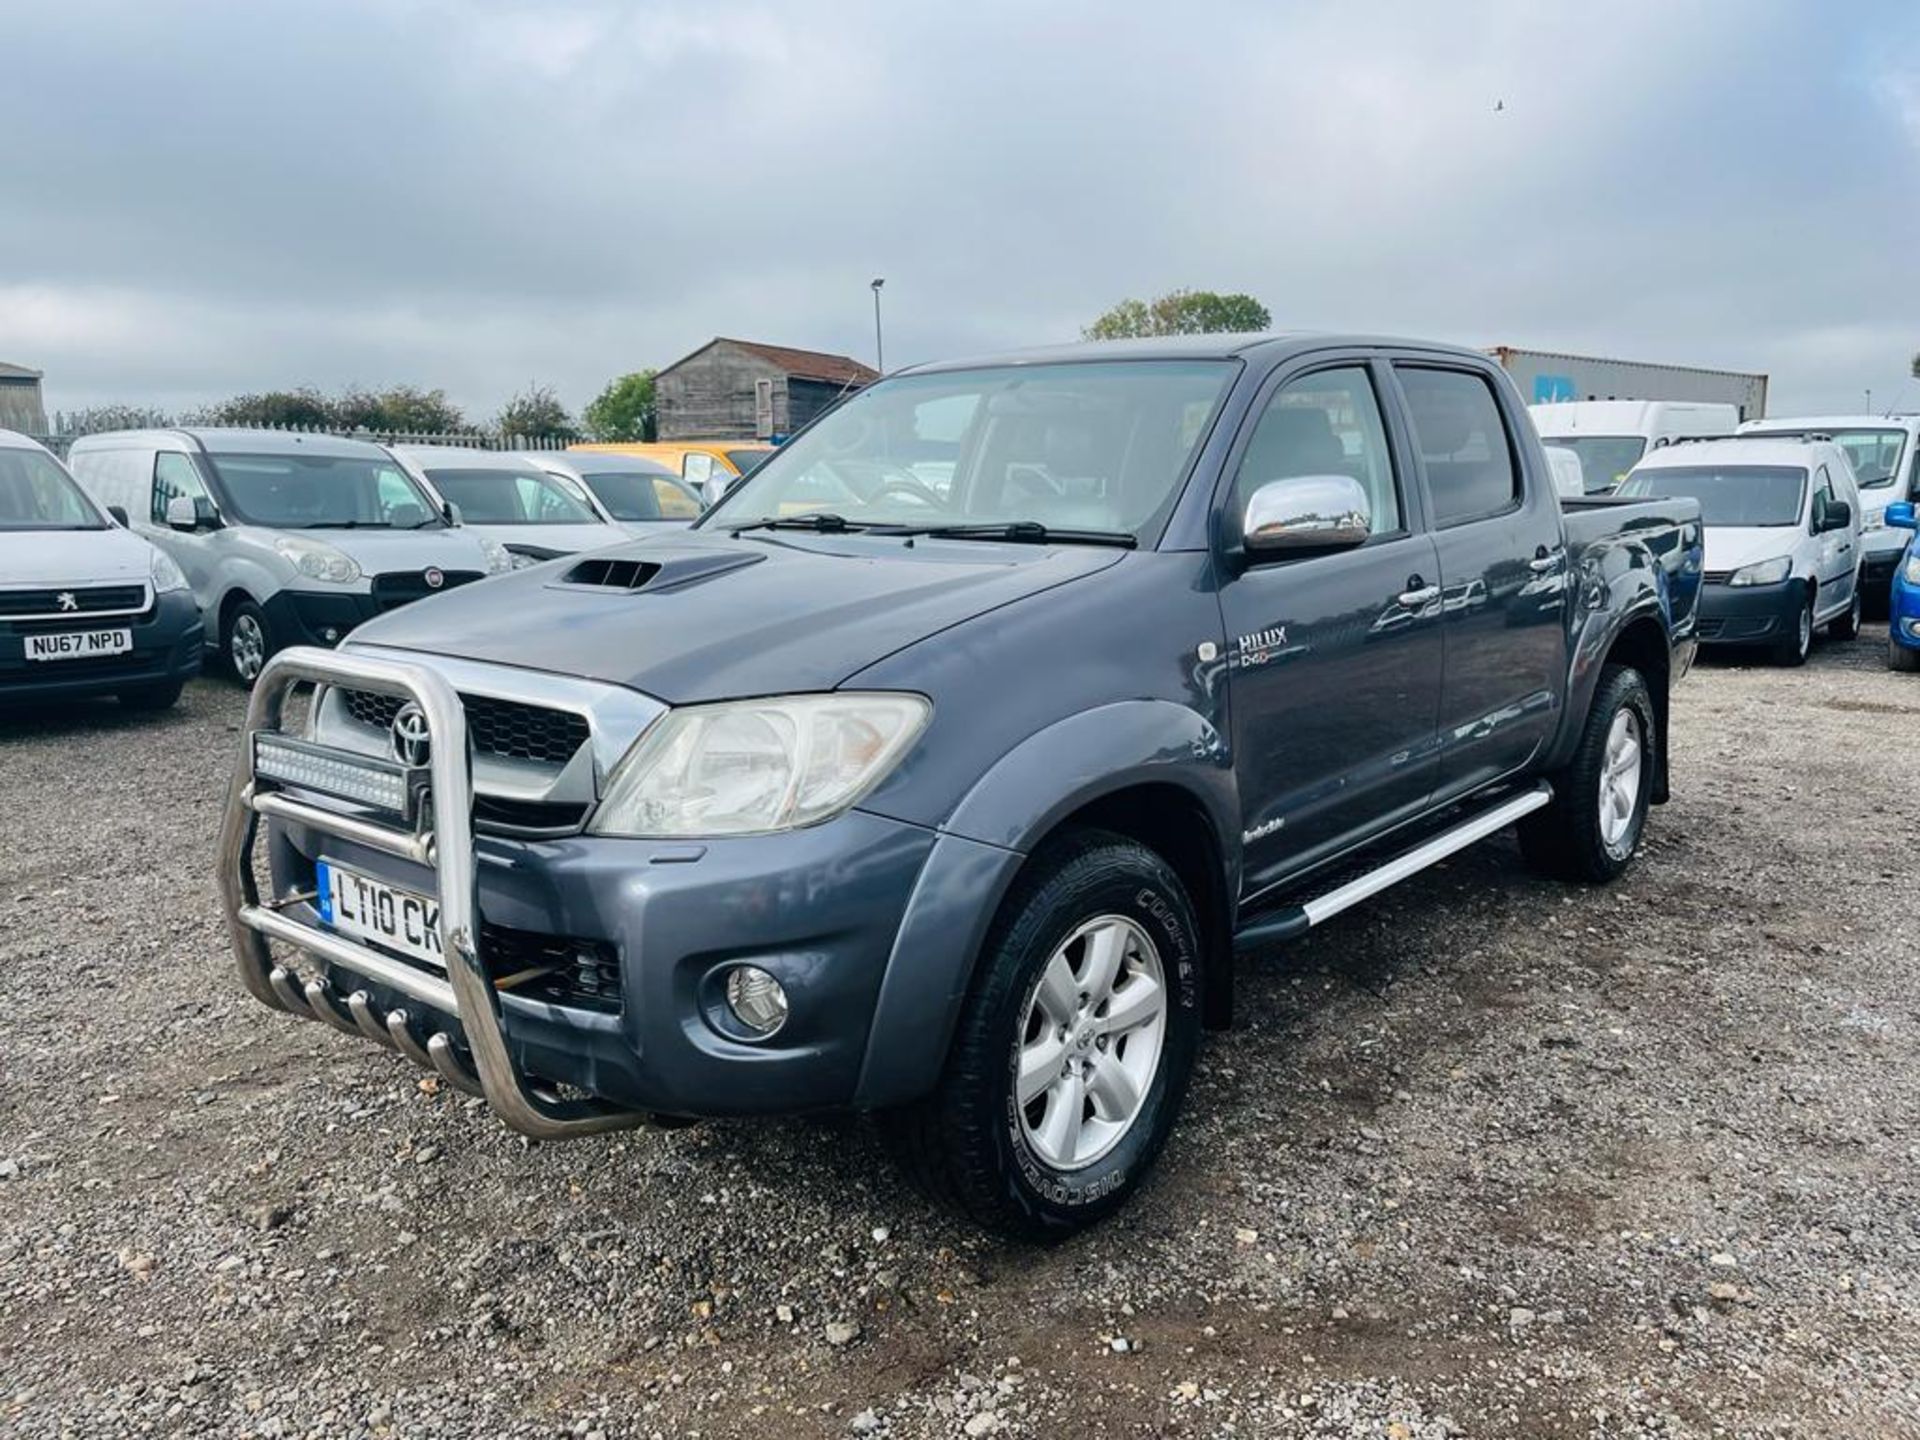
951	797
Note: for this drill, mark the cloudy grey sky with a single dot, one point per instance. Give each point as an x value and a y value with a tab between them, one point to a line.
229	195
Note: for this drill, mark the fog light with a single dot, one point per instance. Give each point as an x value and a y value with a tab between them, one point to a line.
330	635
1912	628
756	1000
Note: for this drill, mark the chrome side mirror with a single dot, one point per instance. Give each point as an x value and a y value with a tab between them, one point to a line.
1307	512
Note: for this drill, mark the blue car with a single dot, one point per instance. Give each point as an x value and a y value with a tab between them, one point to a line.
1903	607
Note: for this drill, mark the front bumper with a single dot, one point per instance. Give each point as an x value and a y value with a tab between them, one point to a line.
168	640
326	616
1749	614
827	910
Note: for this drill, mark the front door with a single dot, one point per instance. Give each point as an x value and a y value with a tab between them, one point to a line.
1838	565
1334	659
174	475
1503	576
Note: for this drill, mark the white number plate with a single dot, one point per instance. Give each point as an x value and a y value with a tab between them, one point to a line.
79	644
369	909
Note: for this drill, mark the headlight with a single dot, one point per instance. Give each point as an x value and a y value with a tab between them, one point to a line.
1874	520
1910	572
499	558
166	574
517	561
1764	572
317	560
747	767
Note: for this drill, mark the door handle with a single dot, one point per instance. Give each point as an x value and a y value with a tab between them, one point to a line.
1421	596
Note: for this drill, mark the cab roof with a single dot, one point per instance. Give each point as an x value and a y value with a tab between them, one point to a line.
1194	347
220	441
1792	424
1736	451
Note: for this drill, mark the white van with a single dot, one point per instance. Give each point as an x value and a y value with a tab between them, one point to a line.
1885	453
1610	436
1782	522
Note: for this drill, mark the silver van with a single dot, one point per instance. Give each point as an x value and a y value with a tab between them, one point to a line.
285	539
642	496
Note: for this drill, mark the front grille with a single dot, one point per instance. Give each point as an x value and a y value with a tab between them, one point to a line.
86	600
558	969
1716	577
506	728
395	588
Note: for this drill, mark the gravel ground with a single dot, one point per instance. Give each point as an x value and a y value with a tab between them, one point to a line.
1487	1157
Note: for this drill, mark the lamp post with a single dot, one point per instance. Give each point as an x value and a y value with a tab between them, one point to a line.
879	348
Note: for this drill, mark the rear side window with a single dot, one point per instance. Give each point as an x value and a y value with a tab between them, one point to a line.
1463	443
174	476
674	502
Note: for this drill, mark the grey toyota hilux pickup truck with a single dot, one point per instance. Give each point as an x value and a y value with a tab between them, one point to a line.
942	769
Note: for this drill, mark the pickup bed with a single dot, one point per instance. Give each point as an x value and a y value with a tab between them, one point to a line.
942	768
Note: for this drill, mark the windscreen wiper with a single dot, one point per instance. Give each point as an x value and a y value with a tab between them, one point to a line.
824	522
1026	532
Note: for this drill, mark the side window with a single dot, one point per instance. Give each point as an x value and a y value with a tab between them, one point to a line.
1326	423
399	503
1913	479
1823	496
674	502
1463	443
173	476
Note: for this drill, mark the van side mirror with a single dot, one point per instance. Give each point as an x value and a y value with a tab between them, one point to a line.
192	512
119	514
1306	512
450	512
1838	517
1900	514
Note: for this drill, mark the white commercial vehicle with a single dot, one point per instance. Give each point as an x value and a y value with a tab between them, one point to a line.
1782	524
1610	436
85	607
1885	453
285	539
506	494
642	496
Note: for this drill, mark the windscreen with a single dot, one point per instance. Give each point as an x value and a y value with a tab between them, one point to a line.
1604	459
1729	495
36	494
1873	453
322	492
1098	445
643	495
510	497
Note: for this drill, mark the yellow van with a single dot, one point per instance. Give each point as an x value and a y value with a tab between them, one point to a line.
707	465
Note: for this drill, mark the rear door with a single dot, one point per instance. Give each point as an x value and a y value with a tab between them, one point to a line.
1503	571
1333	658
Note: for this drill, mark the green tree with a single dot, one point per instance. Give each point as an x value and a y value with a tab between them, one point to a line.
1181	312
304	407
96	418
624	410
404	408
536	413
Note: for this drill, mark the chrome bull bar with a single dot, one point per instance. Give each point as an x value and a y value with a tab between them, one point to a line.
446	848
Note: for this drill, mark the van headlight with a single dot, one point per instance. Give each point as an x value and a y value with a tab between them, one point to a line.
166	575
1763	572
317	560
499	558
748	767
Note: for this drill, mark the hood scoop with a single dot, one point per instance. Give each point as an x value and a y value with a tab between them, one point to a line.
667	571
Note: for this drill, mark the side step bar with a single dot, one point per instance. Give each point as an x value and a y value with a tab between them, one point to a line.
1292	921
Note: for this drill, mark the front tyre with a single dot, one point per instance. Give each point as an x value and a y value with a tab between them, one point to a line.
1071	1056
247	644
1600	796
1794	646
1899	657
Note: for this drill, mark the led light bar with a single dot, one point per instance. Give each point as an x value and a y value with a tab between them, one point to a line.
378	784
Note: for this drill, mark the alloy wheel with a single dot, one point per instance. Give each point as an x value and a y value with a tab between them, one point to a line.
247	648
1620	782
1090	1042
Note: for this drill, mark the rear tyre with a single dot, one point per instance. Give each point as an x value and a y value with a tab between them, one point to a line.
1071	1056
1899	657
247	643
1848	625
1798	641
1600	797
150	698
